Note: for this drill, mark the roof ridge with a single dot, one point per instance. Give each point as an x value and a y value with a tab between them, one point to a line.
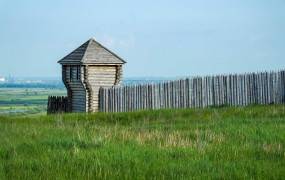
62	59
92	52
92	39
84	55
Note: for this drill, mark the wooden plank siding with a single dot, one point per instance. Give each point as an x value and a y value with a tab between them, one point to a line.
197	92
83	83
76	89
101	76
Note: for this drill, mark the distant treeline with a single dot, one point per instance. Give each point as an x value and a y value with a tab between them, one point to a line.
59	84
32	85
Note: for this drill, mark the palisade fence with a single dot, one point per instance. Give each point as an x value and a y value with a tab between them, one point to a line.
57	104
197	92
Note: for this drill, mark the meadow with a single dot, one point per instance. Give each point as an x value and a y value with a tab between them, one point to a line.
23	101
213	143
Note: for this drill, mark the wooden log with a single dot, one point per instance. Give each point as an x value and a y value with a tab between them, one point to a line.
233	90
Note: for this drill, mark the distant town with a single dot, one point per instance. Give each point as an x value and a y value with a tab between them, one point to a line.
2	79
56	82
31	82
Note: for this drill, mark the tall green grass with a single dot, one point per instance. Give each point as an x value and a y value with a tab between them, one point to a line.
218	143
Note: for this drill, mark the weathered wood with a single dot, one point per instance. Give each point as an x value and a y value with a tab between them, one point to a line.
197	92
85	70
57	104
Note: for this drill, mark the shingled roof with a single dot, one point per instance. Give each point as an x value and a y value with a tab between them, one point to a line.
91	52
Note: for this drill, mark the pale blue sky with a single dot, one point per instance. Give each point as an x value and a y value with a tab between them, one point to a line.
156	38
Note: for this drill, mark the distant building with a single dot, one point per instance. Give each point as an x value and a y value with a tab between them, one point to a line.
85	70
2	79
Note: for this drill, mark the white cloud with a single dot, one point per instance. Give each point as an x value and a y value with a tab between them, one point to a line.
114	42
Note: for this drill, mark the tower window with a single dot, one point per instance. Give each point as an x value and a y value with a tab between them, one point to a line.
74	73
77	72
70	73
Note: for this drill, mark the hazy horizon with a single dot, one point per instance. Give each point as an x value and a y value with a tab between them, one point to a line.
156	38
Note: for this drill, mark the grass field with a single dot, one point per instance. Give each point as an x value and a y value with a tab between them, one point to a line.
26	100
214	143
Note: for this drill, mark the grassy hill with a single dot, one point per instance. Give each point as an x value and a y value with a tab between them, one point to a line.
238	143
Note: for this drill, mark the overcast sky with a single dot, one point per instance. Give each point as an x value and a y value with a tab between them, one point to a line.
156	38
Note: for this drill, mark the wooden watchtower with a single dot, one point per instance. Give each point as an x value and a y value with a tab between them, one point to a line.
85	70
